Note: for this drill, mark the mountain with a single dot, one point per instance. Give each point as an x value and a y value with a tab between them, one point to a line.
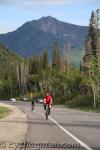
34	36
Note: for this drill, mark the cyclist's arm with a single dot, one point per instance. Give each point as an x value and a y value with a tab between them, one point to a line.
44	100
51	101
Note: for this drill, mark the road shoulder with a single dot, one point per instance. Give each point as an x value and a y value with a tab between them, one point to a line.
13	128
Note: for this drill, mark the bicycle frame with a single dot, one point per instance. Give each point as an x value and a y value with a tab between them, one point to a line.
47	113
33	105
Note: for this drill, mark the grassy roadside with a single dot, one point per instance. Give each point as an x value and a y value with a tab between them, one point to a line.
4	111
85	108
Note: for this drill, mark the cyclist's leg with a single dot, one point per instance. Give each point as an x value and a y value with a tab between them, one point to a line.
44	106
48	110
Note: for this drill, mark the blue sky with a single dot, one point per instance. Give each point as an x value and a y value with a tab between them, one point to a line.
14	13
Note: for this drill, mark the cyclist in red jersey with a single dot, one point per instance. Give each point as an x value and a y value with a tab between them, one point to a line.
47	101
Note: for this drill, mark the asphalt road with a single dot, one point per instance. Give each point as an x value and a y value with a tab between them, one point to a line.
66	128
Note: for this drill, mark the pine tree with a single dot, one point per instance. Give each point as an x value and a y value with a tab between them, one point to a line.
92	42
35	64
97	51
65	57
92	56
56	57
98	18
93	33
88	50
45	59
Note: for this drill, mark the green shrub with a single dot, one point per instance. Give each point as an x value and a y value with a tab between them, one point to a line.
80	101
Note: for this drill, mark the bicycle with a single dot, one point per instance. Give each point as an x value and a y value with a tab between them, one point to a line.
47	113
32	106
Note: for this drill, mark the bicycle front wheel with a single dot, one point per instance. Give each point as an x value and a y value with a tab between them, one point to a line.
46	114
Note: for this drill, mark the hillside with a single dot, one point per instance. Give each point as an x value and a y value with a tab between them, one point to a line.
11	68
7	57
34	36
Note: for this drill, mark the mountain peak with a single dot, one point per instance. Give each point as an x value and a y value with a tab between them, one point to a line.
48	24
48	18
36	35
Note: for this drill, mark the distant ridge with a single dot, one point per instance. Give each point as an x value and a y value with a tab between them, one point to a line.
34	36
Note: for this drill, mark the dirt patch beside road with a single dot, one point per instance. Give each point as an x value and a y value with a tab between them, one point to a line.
13	128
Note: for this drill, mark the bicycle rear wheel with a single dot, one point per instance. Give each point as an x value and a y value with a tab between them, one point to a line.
47	113
32	107
46	116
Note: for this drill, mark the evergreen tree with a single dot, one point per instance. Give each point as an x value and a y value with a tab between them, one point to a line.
92	42
65	57
92	56
45	59
98	18
35	65
93	33
56	57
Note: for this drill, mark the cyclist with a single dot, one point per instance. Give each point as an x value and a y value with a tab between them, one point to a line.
32	104
47	102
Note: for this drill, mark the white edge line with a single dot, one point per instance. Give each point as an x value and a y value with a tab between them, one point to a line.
71	135
67	132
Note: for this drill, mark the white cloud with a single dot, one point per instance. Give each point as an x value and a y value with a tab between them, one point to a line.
36	2
48	2
44	2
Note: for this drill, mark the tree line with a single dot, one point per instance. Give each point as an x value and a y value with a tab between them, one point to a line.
13	73
91	60
40	73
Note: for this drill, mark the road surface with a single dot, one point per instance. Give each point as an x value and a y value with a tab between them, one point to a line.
66	128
